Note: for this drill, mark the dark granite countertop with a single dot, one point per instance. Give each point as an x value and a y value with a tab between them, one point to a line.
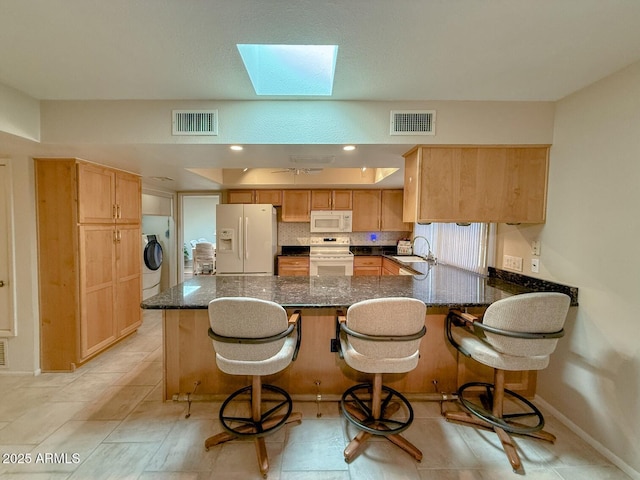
438	286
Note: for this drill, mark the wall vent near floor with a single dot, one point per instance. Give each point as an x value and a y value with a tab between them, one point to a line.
413	122
195	122
3	352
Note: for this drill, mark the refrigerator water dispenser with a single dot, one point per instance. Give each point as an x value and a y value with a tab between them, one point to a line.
226	240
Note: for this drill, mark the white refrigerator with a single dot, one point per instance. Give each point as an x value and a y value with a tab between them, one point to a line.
246	239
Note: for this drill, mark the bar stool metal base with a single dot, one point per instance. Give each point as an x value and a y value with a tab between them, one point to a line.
506	421
259	423
365	407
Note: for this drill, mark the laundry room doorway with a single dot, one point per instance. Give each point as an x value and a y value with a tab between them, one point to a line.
197	225
158	224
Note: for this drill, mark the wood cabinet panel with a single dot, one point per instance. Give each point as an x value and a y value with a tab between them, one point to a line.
128	193
293	266
391	217
367	265
273	197
296	205
331	200
96	194
106	195
366	210
241	196
129	279
342	200
89	273
390	267
505	184
97	287
189	356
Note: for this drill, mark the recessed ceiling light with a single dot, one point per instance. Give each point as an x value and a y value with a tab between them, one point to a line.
349	148
290	69
236	148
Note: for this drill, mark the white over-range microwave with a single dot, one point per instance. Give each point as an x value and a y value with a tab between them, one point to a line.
329	221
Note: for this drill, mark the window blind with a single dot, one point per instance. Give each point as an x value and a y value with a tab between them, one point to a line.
461	246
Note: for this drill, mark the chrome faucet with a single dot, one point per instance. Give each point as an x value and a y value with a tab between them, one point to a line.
430	257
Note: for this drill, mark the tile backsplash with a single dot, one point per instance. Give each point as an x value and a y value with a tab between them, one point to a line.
292	234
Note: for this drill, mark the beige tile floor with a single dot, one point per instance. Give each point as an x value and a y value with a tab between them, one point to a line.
107	421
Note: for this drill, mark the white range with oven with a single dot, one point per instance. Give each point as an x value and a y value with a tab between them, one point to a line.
330	256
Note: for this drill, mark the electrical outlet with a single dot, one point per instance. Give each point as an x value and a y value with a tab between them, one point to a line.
512	263
535	265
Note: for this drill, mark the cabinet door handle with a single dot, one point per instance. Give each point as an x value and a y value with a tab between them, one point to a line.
1	283
115	211
119	210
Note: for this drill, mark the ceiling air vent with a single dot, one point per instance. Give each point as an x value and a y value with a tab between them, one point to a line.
413	122
3	352
195	122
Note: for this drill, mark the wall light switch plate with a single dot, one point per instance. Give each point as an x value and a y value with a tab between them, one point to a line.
512	263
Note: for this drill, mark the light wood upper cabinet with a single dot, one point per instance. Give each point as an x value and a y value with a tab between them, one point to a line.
106	195
503	184
273	197
296	205
378	210
128	198
366	210
331	200
96	194
391	212
241	196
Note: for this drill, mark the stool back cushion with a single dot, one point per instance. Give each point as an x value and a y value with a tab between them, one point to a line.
543	312
386	317
243	317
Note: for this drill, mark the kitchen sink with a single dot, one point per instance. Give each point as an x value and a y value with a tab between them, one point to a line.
409	259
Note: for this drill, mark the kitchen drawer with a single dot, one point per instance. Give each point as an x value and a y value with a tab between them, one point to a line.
367	261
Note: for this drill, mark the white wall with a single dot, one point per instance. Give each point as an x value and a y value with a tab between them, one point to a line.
19	114
23	349
295	122
590	241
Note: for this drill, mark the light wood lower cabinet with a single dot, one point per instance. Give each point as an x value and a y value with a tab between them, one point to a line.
367	265
90	274
189	356
293	266
390	267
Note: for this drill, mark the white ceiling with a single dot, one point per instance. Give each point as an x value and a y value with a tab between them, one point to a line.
402	50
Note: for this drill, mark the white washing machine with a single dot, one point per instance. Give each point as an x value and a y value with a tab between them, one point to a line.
151	265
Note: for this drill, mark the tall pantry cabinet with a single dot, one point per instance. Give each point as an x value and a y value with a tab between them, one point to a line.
90	259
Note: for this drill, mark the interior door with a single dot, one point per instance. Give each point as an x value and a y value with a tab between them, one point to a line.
7	320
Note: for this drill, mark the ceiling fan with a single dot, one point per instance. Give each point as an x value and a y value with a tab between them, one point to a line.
298	171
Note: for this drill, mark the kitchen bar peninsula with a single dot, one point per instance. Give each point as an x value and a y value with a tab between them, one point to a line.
189	358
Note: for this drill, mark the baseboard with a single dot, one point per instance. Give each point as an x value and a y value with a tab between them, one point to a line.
604	451
34	373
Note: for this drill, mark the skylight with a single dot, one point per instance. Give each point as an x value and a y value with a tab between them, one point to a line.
290	69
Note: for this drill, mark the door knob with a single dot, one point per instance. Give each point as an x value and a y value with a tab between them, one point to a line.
1	283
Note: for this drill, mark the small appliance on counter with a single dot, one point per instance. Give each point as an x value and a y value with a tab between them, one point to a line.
404	247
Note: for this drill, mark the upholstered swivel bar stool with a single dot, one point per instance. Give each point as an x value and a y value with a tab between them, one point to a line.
517	333
380	336
255	338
